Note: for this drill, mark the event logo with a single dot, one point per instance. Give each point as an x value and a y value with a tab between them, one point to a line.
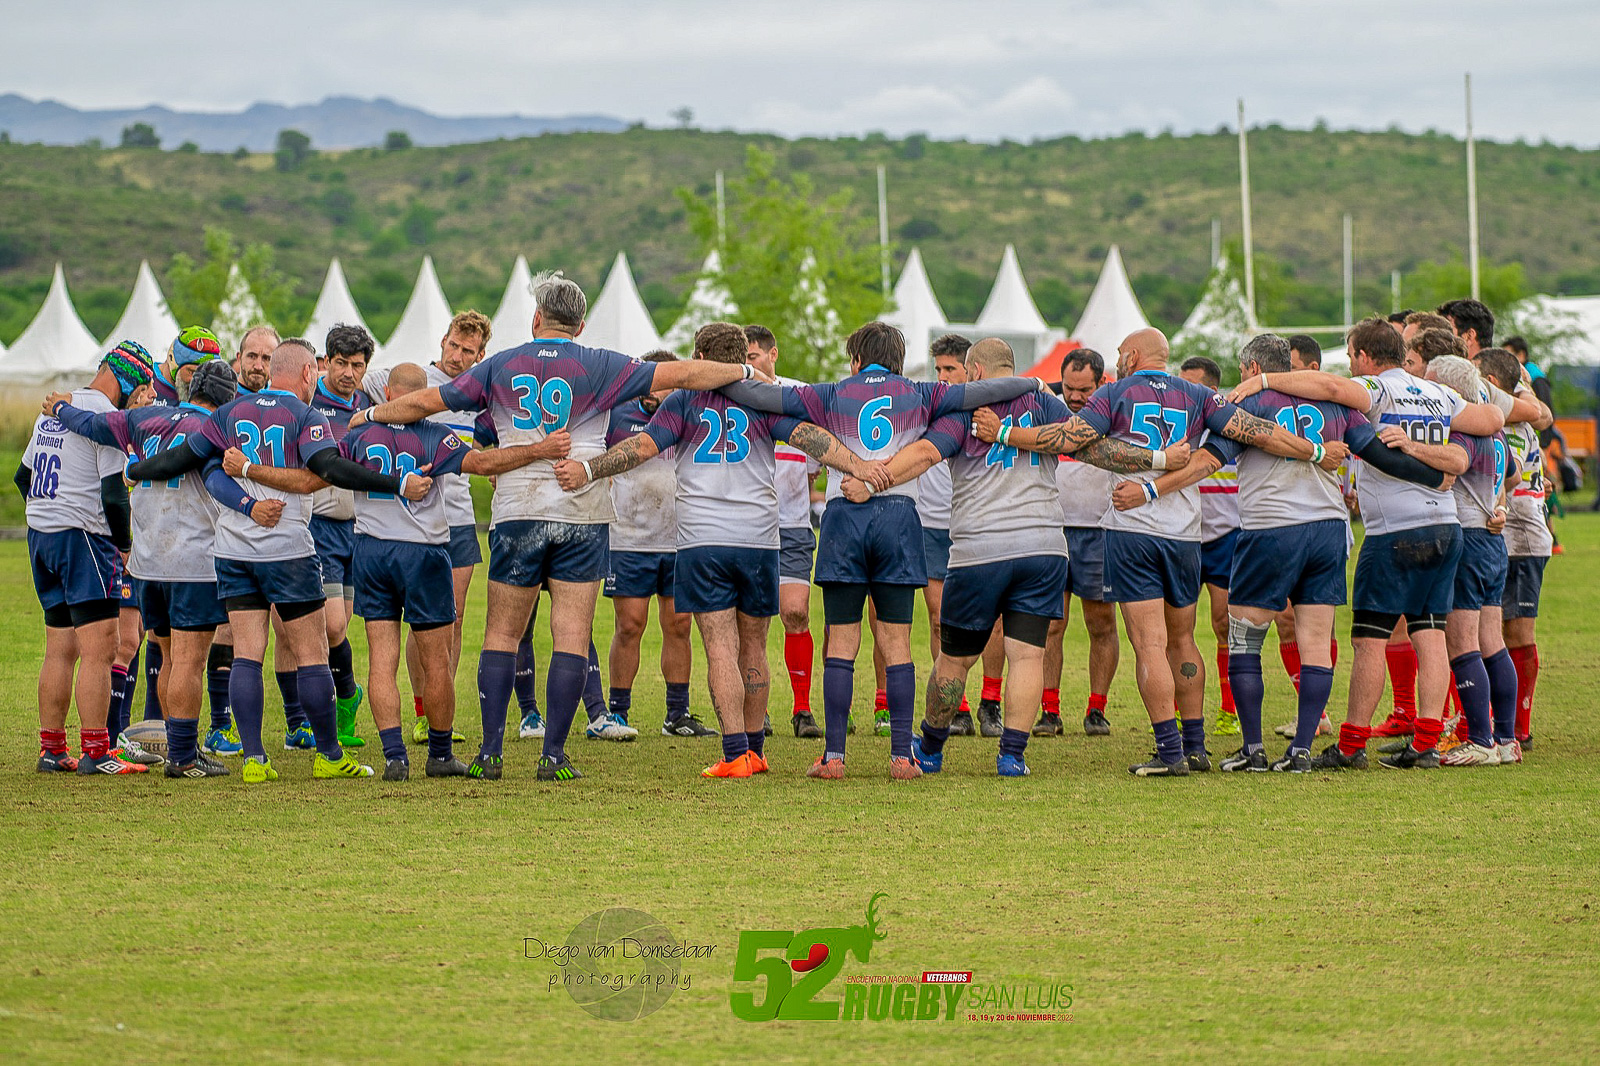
618	964
811	959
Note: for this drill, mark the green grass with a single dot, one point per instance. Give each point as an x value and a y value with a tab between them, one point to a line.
1442	917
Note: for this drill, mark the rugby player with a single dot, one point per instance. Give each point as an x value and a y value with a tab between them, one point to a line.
726	566
542	535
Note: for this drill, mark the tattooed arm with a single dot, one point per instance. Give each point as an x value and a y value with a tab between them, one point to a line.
1273	439
1078	437
908	464
1120	457
826	449
618	459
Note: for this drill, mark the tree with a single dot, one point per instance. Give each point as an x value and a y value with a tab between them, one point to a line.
195	290
782	251
189	147
1431	284
396	140
140	135
683	116
294	148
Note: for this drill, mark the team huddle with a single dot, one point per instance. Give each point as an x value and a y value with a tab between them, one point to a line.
201	507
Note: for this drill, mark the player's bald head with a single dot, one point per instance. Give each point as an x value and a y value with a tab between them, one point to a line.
406	378
1143	349
991	358
290	358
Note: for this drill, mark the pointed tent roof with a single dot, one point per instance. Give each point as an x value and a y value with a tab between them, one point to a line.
335	307
238	313
425	320
618	318
1113	310
1219	324
1572	324
512	325
55	343
815	321
146	319
916	313
709	301
1010	308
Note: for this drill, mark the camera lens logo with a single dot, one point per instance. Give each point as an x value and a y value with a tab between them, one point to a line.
620	964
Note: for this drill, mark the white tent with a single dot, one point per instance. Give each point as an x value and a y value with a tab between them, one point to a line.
618	318
709	301
1219	325
238	313
423	323
56	343
335	307
1573	323
512	325
1010	307
1113	310
146	319
916	314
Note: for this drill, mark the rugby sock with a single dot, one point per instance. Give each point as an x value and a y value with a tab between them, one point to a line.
1402	660
1289	652
96	742
1502	694
316	700
496	675
152	674
219	664
735	744
880	700
966	708
991	688
1353	738
439	744
1248	688
1426	738
756	741
294	716
594	689
527	694
183	740
1526	660
621	701
1333	650
1013	742
563	687
799	652
933	738
119	681
1228	705
838	689
1169	742
341	663
901	682
394	744
1051	702
1316	685
1097	702
53	740
677	700
1472	686
1194	736
246	695
416	705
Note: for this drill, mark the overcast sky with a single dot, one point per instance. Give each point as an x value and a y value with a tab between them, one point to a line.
999	68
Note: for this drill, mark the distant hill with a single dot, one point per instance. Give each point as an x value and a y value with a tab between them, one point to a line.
336	122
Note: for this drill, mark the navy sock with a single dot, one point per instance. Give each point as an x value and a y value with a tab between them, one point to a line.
341	663
1194	736
527	695
757	741
1316	685
439	744
1013	742
246	696
734	745
394	744
933	738
152	674
316	700
1503	694
1169	742
183	740
677	700
219	664
1244	677
838	689
564	685
294	716
497	672
1472	685
900	684
594	689
621	701
115	723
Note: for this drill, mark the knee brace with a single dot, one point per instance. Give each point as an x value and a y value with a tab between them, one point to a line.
1246	638
1372	625
1424	622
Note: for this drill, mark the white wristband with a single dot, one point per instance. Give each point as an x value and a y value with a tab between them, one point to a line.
244	473
870	489
749	372
1150	491
588	474
1005	431
1158	459
1318	453
1264	385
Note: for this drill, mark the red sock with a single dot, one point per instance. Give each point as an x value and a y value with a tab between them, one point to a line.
1222	680
1402	677
965	707
880	702
1426	738
417	702
1333	650
991	688
798	655
53	740
1353	738
1097	702
1526	660
96	742
1290	654
1052	701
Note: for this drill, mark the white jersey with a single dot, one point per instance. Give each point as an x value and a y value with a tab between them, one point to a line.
645	497
933	496
64	492
1424	410
1526	530
1085	492
1219	503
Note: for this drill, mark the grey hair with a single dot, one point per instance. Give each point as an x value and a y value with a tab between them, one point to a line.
1267	350
559	298
292	356
1458	374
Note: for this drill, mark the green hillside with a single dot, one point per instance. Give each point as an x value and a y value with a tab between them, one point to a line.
573	201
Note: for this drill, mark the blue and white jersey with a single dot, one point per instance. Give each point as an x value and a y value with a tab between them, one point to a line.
335	503
1424	410
1526	530
1477	492
174	522
405	450
64	490
457	488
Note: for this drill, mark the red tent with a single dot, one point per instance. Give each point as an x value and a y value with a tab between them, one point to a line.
1049	368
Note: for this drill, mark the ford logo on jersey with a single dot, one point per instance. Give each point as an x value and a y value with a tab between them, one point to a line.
1413	390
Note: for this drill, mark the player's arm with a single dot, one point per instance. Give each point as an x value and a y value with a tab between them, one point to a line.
493	461
119	515
768	398
1479	419
412	407
1449	457
1246	428
976	394
1308	385
827	449
84	423
23	478
346	473
226	491
701	374
298	481
907	464
1120	457
1075	436
618	459
172	462
1127	495
1398	464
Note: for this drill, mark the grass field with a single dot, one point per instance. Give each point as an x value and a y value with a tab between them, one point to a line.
1451	916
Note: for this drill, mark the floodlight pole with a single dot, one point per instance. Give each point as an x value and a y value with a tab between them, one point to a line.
722	217
883	225
1394	291
1216	242
1349	272
1472	196
1244	203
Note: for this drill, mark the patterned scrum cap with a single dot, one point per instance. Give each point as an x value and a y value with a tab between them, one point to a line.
196	344
132	366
